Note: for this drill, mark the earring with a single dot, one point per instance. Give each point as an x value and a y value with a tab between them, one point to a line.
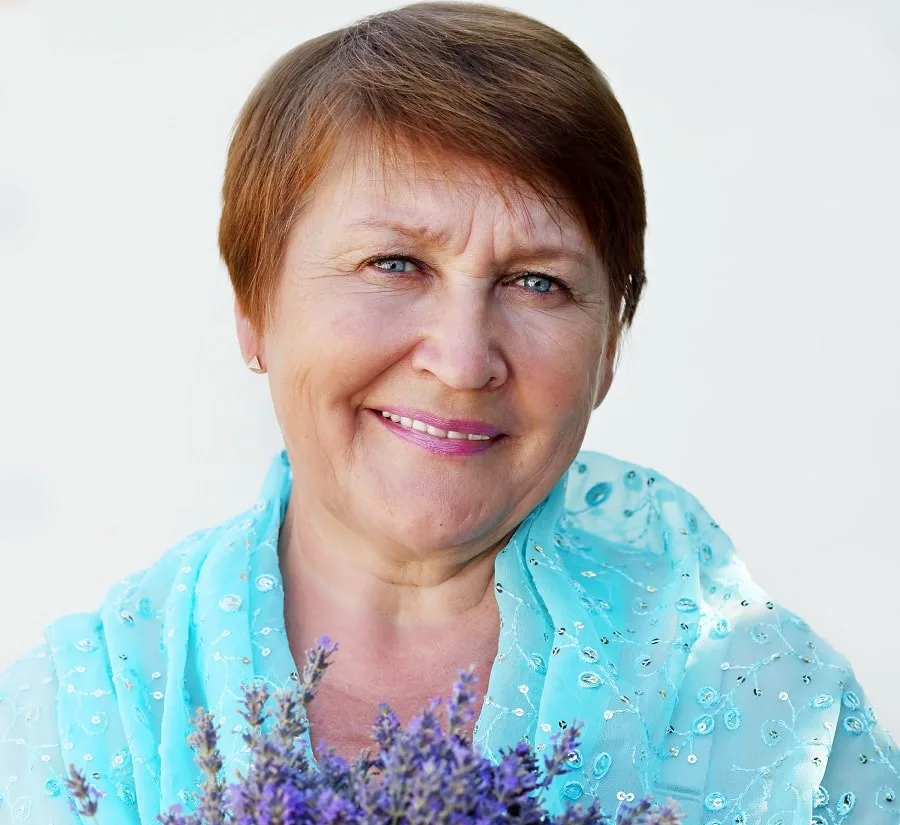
254	365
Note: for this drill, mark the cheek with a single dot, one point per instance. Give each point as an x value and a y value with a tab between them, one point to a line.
356	323
366	331
563	391
558	367
341	339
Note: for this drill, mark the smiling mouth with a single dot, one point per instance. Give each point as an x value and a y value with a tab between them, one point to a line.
436	432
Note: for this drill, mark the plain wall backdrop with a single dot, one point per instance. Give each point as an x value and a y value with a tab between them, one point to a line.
761	373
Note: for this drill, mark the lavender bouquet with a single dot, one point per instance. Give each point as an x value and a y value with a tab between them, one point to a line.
420	775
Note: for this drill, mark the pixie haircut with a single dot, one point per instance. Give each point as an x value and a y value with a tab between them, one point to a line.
478	82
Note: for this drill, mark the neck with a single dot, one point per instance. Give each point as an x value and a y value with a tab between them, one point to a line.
376	601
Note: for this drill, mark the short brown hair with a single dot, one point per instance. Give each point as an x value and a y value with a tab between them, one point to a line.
478	81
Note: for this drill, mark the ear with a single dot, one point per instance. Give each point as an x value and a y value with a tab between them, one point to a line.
250	342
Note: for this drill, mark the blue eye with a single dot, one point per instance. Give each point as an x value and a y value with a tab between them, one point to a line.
536	283
376	262
542	284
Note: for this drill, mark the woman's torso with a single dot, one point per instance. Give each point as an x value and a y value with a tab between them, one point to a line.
622	605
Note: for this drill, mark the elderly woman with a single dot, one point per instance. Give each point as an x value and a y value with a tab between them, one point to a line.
434	224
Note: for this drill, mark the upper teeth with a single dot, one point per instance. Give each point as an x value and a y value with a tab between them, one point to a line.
422	427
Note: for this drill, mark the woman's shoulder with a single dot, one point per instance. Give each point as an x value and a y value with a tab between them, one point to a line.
61	701
599	477
636	517
638	509
142	595
32	760
138	604
29	684
754	671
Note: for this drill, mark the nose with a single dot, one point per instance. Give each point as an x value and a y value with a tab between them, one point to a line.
459	343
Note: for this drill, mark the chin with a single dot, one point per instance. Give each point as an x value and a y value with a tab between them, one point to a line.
432	526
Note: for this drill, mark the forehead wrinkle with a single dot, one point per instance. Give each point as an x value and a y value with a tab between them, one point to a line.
414	231
405	216
390	194
367	154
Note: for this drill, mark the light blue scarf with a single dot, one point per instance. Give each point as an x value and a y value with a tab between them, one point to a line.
622	604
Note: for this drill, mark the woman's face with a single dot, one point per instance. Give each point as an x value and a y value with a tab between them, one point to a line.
419	293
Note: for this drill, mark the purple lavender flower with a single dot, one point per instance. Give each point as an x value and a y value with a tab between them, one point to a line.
424	774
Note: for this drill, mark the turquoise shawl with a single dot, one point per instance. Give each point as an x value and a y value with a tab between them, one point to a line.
622	604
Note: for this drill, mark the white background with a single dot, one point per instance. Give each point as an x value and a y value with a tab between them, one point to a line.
761	373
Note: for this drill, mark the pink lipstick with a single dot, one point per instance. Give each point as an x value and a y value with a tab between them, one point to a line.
442	436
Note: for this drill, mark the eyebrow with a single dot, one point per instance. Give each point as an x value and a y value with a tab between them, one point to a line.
436	237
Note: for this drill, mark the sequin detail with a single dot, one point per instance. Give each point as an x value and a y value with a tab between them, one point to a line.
707	696
231	602
601	765
265	583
